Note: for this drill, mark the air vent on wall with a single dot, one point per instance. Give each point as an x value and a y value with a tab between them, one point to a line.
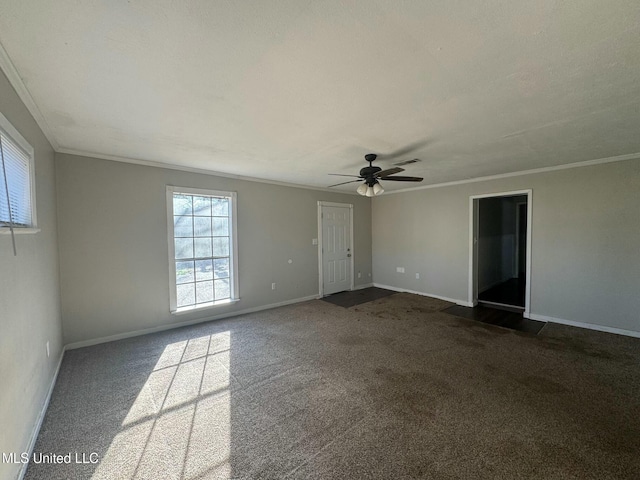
407	162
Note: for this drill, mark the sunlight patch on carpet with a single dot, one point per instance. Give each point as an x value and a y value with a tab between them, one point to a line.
179	424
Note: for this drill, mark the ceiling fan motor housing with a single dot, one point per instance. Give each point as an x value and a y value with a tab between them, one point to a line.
369	171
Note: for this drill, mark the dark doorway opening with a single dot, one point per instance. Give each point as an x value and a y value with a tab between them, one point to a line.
502	247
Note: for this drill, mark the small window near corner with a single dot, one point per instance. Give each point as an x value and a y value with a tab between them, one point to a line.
202	248
17	189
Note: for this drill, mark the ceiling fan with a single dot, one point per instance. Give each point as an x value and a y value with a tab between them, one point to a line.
370	175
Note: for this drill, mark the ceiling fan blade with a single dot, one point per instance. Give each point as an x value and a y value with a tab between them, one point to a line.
400	178
341	175
343	183
407	149
390	171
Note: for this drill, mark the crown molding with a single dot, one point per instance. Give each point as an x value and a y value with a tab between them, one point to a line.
200	171
18	85
586	163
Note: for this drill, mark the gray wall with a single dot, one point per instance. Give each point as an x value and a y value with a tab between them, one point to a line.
585	237
113	244
29	298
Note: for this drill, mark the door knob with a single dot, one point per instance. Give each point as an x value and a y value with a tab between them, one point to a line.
348	254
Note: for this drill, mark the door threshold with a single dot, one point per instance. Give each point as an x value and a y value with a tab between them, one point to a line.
502	306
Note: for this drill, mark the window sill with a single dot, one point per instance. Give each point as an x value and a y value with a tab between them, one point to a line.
18	231
203	307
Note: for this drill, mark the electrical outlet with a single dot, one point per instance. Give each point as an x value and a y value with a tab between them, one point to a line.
417	276
400	269
314	241
48	353
273	286
359	275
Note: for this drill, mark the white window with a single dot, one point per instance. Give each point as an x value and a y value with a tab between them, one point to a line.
17	192
202	248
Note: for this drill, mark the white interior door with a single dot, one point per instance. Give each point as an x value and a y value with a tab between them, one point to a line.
336	249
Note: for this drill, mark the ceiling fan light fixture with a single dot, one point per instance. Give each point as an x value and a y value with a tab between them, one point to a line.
371	187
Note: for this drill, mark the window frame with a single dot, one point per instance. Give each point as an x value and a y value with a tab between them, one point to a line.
233	246
10	131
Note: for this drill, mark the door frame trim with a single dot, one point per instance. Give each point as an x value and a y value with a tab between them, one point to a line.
473	245
517	249
320	273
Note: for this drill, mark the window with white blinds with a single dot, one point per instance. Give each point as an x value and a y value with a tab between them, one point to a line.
202	248
16	173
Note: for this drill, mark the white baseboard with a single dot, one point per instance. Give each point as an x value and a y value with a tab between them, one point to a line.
366	285
36	428
590	326
463	303
161	328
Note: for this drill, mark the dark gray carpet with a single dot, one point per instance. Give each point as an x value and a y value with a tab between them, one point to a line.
356	297
392	388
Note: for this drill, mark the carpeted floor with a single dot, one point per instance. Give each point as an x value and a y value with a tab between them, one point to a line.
392	388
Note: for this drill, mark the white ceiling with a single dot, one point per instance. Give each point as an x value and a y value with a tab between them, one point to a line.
292	90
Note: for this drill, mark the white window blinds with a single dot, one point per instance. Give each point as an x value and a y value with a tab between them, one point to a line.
14	180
